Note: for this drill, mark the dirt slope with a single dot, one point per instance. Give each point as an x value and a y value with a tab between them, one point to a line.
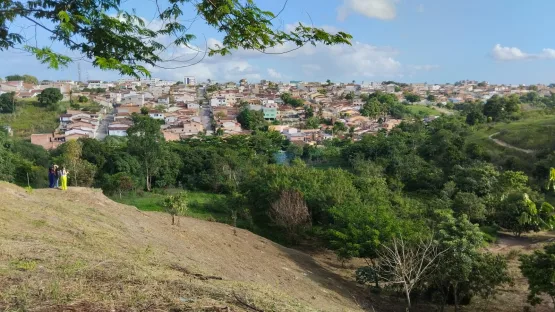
80	251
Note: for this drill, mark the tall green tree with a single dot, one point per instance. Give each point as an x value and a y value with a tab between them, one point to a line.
454	271
121	182
146	142
49	97
7	102
72	156
519	214
251	119
372	108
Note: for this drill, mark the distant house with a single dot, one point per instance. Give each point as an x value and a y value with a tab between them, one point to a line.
129	109
118	129
137	99
64	118
47	140
218	101
156	114
164	100
230	126
390	88
296	137
188	128
170	136
6	87
193	105
172	119
192	127
270	113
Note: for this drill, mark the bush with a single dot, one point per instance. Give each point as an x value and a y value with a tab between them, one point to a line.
490	233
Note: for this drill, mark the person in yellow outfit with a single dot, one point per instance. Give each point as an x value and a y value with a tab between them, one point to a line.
63	178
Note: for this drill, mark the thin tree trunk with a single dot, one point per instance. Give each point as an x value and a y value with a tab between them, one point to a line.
408	297
173	220
456	298
147	180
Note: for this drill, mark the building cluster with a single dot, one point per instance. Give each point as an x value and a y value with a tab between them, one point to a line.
73	125
188	108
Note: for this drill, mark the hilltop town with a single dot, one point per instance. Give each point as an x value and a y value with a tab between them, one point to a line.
304	112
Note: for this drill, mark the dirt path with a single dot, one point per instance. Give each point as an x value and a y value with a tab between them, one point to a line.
444	110
505	144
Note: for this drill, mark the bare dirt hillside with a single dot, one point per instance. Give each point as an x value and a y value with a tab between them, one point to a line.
80	251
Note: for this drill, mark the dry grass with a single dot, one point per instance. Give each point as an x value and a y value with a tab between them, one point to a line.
513	298
79	251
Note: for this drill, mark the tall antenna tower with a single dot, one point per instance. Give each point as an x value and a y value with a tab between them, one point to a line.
79	71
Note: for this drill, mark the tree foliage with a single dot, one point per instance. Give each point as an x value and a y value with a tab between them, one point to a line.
251	119
25	78
49	97
146	142
519	214
500	108
176	205
539	270
7	102
412	98
289	100
124	41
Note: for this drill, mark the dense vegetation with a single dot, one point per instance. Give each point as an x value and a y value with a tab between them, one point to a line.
422	181
436	182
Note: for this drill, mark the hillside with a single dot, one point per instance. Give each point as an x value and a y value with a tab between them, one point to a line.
80	251
533	132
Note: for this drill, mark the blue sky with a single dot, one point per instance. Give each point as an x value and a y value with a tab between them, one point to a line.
434	41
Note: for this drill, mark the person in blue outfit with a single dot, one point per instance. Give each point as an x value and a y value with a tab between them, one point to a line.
52	176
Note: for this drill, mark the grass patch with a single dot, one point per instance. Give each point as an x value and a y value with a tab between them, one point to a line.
499	155
422	110
201	205
30	118
534	131
38	223
24	265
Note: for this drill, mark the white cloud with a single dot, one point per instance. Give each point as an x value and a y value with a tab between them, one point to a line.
340	62
508	54
502	53
358	60
274	74
380	9
548	53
